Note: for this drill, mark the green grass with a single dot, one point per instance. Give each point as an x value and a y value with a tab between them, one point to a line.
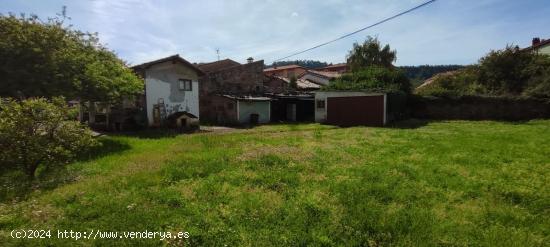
454	183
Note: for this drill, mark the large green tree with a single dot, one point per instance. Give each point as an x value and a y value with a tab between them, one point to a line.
370	53
48	58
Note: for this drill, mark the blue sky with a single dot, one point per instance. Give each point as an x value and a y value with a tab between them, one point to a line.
445	32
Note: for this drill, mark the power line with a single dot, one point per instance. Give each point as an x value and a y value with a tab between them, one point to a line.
360	30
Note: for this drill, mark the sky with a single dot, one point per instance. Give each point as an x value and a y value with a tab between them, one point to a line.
444	32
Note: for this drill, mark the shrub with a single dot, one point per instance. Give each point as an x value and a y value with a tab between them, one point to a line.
453	84
507	72
38	133
373	79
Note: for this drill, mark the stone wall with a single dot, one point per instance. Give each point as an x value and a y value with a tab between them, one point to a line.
246	79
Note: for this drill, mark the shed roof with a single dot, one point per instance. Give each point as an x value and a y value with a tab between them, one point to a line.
246	97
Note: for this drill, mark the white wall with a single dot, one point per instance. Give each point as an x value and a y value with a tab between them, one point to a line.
321	114
262	108
161	81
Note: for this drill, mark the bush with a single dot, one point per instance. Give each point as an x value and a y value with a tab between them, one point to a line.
373	79
507	72
453	84
38	133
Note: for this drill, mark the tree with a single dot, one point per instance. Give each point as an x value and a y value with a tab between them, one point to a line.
373	79
370	53
505	72
37	132
48	59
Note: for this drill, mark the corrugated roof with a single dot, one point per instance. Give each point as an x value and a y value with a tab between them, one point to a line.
327	74
246	97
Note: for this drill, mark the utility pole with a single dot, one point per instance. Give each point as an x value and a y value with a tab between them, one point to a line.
218	52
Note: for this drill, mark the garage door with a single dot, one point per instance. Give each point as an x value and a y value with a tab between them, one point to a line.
357	110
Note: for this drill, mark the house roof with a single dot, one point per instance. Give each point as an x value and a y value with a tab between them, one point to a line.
278	68
338	65
173	58
326	74
217	65
542	43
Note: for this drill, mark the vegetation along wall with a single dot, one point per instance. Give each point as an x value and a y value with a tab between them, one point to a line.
479	108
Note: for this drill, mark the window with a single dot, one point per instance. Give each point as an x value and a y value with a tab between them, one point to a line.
185	85
320	104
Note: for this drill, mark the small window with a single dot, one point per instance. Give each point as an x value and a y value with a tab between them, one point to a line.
185	85
320	104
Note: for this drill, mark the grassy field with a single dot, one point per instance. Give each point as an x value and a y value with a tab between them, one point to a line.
454	183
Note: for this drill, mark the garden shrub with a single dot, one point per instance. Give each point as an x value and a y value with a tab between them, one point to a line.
37	133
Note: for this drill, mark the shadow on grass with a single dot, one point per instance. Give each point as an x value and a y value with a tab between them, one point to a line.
15	185
409	123
152	133
108	146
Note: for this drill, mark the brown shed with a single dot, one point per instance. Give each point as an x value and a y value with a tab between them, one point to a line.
350	108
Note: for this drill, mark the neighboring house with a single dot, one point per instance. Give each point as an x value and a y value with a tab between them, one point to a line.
234	95
347	108
287	71
540	46
339	68
171	87
320	77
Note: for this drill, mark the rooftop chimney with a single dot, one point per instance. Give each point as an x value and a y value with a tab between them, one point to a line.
250	60
536	41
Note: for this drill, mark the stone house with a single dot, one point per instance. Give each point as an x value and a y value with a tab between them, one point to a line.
234	94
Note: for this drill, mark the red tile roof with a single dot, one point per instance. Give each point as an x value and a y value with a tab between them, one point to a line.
542	43
292	66
217	65
336	65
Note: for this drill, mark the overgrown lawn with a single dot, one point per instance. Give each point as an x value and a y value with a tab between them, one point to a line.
455	183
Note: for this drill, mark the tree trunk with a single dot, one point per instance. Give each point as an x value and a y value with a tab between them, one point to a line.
80	111
31	169
91	112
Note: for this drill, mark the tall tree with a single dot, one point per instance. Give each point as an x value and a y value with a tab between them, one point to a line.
370	53
48	58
